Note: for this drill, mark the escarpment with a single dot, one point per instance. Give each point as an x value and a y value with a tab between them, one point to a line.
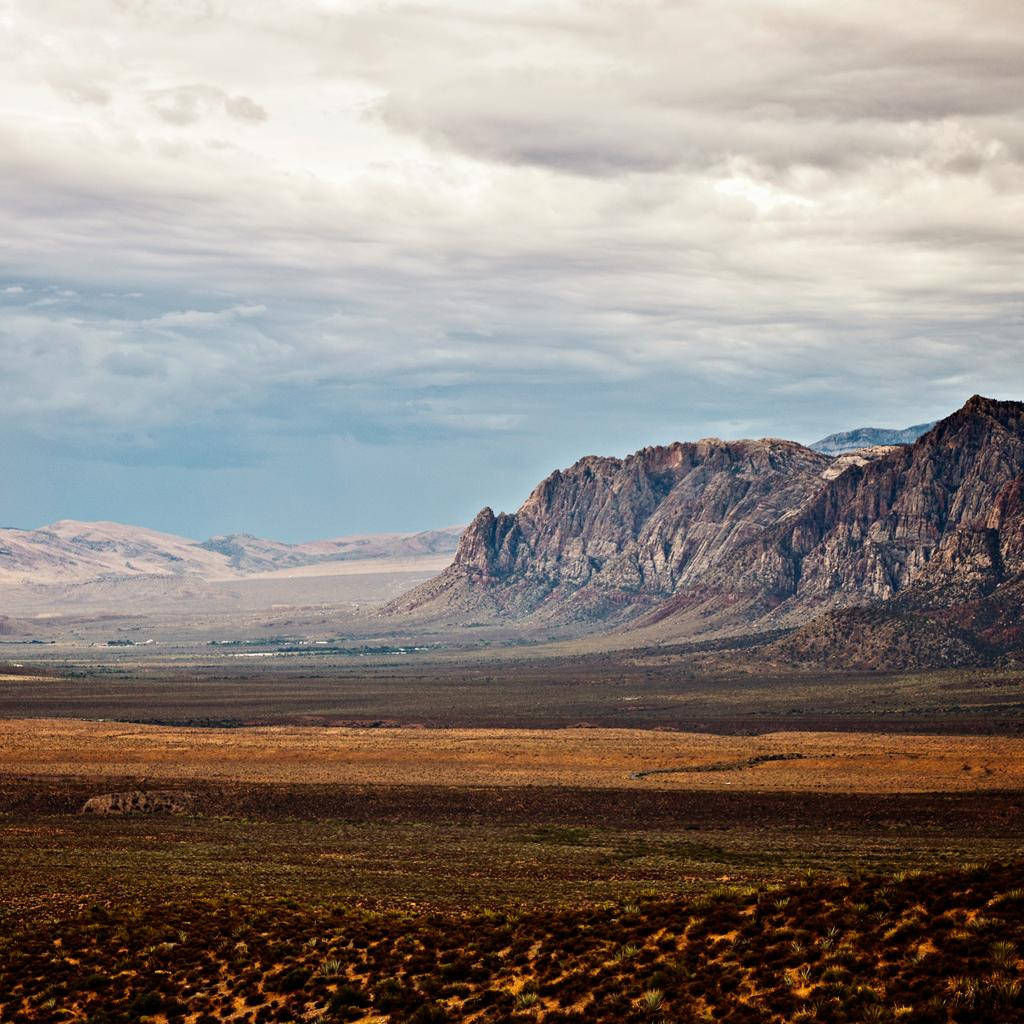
714	534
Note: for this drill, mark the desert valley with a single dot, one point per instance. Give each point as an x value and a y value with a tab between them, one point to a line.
511	512
719	731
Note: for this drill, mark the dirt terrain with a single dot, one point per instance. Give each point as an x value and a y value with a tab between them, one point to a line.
257	832
439	681
621	758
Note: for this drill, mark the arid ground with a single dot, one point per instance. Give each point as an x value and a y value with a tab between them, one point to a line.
397	835
630	759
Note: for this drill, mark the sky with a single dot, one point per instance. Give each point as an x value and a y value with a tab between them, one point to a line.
303	269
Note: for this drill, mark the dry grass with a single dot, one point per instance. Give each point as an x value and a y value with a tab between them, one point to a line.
837	951
827	762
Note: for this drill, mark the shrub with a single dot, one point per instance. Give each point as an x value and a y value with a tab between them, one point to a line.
290	980
428	1013
1004	954
652	1000
145	1004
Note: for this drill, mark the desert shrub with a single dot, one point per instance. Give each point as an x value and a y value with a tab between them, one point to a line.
330	968
146	1004
390	995
428	1013
457	970
526	999
1004	954
652	1000
289	980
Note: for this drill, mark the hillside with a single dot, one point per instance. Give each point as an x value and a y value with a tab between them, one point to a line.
247	553
714	535
922	947
71	552
867	437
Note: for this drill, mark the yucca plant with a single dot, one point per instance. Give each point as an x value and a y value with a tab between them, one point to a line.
330	968
652	1000
874	1014
1005	992
1004	954
1010	896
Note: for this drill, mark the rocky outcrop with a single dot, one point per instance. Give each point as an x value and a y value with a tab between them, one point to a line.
706	535
611	536
940	514
139	801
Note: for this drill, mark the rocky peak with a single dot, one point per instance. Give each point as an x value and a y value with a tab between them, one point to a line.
710	533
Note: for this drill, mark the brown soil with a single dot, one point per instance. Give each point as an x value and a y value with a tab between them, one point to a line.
827	762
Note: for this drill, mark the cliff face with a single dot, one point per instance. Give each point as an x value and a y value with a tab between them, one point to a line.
941	514
762	532
611	536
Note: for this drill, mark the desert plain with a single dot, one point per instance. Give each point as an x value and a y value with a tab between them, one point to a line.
382	829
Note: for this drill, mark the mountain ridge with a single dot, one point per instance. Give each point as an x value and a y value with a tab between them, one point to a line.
714	535
71	551
868	437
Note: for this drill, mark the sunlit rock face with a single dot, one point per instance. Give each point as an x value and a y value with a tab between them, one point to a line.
763	531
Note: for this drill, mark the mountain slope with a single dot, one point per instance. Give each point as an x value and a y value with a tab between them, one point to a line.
609	536
716	534
867	437
69	552
247	553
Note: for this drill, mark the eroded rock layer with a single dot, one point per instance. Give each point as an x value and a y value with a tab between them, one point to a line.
713	534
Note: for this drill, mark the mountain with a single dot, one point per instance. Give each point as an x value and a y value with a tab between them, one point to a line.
868	437
254	554
69	552
718	535
611	536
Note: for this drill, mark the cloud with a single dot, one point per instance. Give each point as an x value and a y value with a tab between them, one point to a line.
552	227
14	289
244	109
80	90
204	318
185	105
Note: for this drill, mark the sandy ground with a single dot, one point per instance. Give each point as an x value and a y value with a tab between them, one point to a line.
829	762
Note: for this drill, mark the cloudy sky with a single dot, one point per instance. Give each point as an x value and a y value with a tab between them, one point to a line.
308	268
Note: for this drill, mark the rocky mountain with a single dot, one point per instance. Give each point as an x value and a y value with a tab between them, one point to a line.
722	535
69	552
612	536
868	437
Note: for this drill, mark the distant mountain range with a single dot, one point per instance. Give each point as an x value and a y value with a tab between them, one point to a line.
868	437
719	536
74	552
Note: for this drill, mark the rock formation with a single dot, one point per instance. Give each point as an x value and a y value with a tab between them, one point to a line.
139	801
717	534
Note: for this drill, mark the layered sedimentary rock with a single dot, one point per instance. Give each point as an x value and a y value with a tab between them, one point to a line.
765	532
608	536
